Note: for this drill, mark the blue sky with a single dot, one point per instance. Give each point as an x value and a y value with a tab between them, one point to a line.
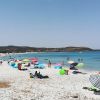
50	23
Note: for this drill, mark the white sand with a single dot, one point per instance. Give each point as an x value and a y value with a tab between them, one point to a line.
56	87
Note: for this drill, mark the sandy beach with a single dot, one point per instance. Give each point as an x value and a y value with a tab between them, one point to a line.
56	87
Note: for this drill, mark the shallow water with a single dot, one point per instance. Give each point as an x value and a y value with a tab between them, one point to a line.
90	59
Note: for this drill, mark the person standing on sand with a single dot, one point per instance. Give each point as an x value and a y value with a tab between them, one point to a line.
49	63
1	62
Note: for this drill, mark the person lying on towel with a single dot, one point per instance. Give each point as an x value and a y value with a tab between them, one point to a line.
38	75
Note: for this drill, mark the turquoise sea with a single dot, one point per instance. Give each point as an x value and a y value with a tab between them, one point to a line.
90	59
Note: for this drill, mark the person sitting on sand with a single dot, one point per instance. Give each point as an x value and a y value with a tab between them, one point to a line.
38	75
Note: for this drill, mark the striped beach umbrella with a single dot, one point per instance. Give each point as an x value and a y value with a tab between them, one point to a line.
95	80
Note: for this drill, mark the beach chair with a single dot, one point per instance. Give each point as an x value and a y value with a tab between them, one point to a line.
95	81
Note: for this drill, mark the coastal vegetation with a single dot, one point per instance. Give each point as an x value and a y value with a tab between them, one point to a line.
21	49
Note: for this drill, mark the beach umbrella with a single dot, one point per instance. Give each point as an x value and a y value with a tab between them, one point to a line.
95	80
79	65
70	62
33	59
26	60
74	64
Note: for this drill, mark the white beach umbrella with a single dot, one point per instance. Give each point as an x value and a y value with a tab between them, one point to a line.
70	62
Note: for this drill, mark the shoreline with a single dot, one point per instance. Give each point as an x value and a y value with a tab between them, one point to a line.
10	54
